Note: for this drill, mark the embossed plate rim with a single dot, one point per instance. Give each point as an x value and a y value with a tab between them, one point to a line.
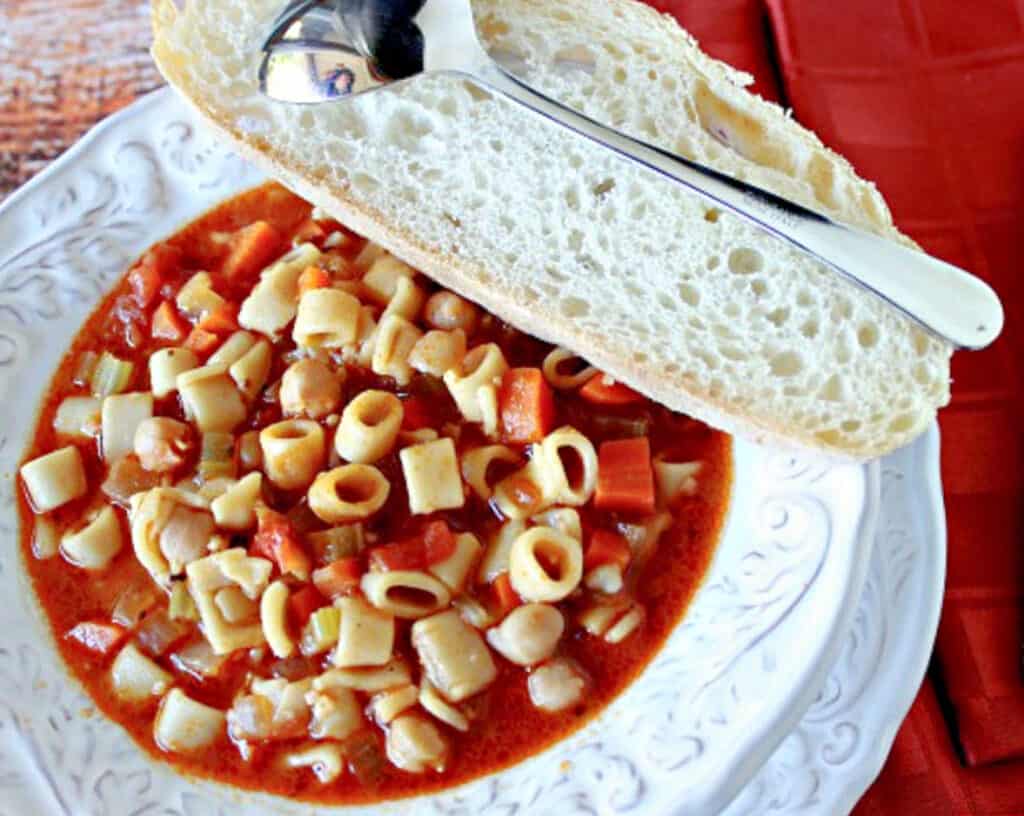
710	789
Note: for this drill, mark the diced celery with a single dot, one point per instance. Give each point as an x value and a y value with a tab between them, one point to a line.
343	541
111	375
181	606
217	456
84	367
321	631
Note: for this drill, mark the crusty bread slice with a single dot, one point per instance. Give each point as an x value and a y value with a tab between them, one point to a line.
691	306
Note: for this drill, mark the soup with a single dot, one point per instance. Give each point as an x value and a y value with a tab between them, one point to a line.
301	521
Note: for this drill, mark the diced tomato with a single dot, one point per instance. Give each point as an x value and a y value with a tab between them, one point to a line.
313	277
310	231
99	637
433	545
340	577
603	390
276	539
625	480
527	406
222	321
400	555
606	547
252	248
302	605
152	271
438	542
416	414
201	341
508	598
168	324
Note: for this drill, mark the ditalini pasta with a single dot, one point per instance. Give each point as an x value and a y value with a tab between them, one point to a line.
293	452
327	522
369	427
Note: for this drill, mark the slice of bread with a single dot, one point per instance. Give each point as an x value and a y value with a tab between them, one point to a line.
689	305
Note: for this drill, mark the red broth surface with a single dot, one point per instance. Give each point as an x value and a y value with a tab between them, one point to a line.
505	727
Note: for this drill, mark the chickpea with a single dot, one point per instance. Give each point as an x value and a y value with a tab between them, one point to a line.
446	310
556	685
250	454
309	387
162	443
529	634
437	351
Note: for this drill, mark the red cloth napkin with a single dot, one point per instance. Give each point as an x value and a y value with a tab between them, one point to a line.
926	98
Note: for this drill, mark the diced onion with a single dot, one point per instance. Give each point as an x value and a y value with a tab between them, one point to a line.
199	660
84	368
158	633
45	538
127	477
134	603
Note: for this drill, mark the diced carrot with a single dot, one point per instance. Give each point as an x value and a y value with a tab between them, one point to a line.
151	272
603	390
168	324
508	598
416	414
99	637
222	321
201	341
252	248
313	277
438	542
276	539
302	604
339	577
527	406
625	480
309	231
606	547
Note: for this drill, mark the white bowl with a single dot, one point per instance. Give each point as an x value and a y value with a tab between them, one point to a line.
733	679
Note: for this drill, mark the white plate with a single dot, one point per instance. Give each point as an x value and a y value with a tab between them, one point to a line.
733	680
827	763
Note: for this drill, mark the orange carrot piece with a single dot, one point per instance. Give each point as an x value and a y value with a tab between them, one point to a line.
338	578
606	547
168	324
99	637
276	539
625	480
507	597
313	277
152	271
309	231
201	341
603	390
252	248
527	406
302	605
222	321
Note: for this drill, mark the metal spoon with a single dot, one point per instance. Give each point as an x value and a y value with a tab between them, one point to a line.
325	50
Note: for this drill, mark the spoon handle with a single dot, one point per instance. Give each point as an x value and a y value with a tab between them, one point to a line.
943	298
